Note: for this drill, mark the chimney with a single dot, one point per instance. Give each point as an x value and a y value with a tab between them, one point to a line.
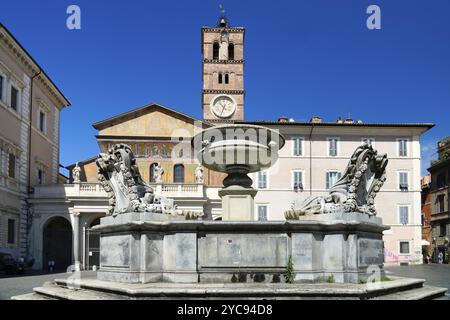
315	120
283	119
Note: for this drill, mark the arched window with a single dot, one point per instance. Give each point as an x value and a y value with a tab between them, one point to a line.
220	78
227	78
216	51
152	172
231	51
178	173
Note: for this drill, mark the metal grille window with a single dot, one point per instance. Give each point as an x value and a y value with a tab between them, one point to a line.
403	147
332	147
12	166
262	180
2	169
14	98
1	87
42	121
297	146
11	231
262	213
404	247
404	215
331	178
297	180
178	173
403	183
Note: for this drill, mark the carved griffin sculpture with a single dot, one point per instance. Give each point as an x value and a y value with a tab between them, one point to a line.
355	191
127	191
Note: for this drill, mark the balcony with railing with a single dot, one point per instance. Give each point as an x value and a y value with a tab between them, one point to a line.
95	190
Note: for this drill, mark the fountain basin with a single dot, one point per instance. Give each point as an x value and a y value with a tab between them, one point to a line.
248	147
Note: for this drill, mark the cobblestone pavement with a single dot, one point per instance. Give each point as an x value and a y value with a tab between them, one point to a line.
15	285
437	275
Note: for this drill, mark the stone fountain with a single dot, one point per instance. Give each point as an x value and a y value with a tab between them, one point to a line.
151	250
237	150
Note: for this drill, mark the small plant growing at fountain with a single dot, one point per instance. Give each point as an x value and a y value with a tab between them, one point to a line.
239	276
289	273
331	279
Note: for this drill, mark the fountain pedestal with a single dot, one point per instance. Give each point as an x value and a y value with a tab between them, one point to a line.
237	203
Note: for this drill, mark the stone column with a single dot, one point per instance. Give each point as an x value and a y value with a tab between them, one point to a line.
76	239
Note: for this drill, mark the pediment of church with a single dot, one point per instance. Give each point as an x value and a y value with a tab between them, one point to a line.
153	120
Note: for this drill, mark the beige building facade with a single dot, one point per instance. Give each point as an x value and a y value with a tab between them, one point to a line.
316	153
30	104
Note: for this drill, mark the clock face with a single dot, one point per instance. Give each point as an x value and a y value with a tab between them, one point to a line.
223	107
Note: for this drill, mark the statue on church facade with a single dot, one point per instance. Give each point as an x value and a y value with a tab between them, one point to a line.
76	172
158	172
199	174
127	191
355	191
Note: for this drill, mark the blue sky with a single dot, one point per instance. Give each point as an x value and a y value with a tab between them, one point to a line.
303	58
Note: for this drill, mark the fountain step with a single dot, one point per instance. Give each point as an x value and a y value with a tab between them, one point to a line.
92	289
423	293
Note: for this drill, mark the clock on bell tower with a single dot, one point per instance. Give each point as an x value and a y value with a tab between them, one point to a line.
223	71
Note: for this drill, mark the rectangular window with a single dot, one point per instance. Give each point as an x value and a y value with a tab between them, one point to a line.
368	141
297	146
440	203
1	87
262	212
333	147
403	181
262	180
297	180
402	147
12	166
11	231
14	98
42	121
404	247
442	230
40	176
332	177
404	215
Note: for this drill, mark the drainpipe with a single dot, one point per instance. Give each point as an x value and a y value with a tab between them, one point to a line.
310	159
29	131
29	190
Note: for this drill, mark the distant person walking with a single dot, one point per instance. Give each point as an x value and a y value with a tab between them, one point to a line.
440	258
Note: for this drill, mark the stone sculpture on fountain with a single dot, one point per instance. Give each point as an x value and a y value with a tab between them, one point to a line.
355	191
127	191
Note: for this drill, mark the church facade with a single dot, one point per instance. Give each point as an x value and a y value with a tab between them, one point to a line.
311	161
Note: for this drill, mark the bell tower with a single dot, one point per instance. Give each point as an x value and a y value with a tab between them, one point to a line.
223	71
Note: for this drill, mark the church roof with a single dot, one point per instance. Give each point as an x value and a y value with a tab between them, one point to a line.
139	111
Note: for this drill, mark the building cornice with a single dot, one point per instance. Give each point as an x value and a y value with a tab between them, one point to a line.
215	61
214	91
229	30
13	46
